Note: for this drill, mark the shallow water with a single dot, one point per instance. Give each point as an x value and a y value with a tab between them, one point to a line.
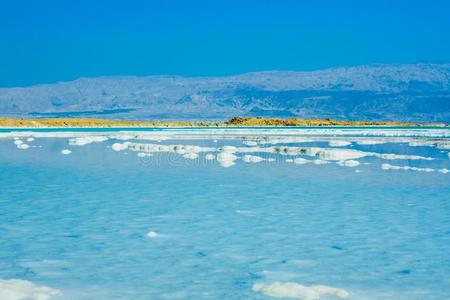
79	223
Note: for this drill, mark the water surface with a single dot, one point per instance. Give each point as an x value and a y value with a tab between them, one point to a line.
366	213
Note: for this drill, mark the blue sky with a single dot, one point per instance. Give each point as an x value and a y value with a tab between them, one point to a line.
47	41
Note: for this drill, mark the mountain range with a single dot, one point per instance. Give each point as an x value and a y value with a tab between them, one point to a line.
414	92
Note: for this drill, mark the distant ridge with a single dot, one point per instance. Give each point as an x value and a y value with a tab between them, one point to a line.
417	93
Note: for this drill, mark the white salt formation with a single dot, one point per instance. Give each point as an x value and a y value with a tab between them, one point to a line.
338	143
152	234
226	159
210	156
320	162
408	168
120	147
190	155
81	141
298	291
23	146
348	163
16	289
252	159
300	161
66	152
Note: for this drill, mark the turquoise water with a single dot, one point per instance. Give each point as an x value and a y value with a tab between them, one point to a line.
80	223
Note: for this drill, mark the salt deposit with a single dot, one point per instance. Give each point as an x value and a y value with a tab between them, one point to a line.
17	289
320	162
23	146
81	141
120	146
300	161
210	156
338	143
66	151
226	159
152	234
348	163
298	291
191	155
408	168
252	159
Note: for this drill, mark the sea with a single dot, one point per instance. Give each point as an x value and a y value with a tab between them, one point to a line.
225	213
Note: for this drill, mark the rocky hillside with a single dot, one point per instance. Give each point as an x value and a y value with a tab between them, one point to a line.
419	92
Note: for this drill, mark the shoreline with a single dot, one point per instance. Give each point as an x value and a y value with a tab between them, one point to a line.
236	122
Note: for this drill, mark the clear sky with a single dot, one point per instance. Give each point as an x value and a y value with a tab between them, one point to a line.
47	41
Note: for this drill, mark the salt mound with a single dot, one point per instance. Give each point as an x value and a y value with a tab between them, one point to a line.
295	290
17	289
66	152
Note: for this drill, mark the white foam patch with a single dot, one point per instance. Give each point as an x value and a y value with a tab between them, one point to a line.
320	162
66	152
17	289
18	142
338	143
298	291
30	139
252	158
